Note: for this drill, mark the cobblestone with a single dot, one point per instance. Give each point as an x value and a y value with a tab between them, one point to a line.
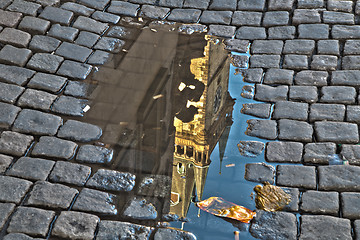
253	75
216	17
94	154
324	62
293	176
73	52
48	82
57	15
14	74
123	8
77	9
345	78
327	112
63	33
31	168
6	209
222	31
74	70
15	37
8	114
328	47
345	32
97	4
70	173
86	39
283	32
271	94
78	131
13	189
293	130
105	17
259	172
306	16
319	153
351	62
27	8
155	186
245	18
53	147
296	62
109	44
41	43
291	110
112	180
154	12
338	18
290	152
275	18
261	110
251	33
45	62
250	148
114	229
336	5
349	203
262	128
172	233
353	114
267	47
91	25
338	94
351	153
14	56
140	209
5	162
311	78
14	143
320	202
307	94
34	25
338	132
9	19
299	46
251	5
36	99
9	93
339	178
313	31
79	89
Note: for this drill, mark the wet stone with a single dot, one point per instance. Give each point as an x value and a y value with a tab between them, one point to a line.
275	18
34	25
216	17
100	58
299	46
328	47
5	162
123	8
307	94
105	17
15	144
290	110
311	78
9	19
5	210
259	172
173	233
71	173
112	180
86	39
57	15
265	61
31	168
223	5
319	153
240	61
253	75
48	2
94	154
346	78
37	123
271	94
339	178
250	148
329	112
74	70
16	75
63	33
15	37
75	225
283	32
155	186
313	31
294	193
320	202
293	130
338	94
274	225
54	148
109	44
251	5
32	221
245	18
41	43
327	227
36	99
73	52
90	25
247	91
79	89
13	189
9	93
338	17
154	12
262	128
90	200
121	32
345	31
97	4
353	114
27	8
48	195
77	8
306	16
296	62
351	62
222	31
267	47
293	176
8	114
290	152
140	209
14	56
349	205
78	131
251	33
118	230
324	62
261	110
48	82
351	153
45	62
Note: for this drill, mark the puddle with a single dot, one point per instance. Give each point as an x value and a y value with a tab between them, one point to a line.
170	104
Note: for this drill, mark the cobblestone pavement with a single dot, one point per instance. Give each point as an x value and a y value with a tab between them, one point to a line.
305	62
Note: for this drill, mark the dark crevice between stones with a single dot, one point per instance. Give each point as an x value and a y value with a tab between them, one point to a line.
52	226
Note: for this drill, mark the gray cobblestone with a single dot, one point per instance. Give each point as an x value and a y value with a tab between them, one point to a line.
261	110
291	110
5	3
351	62
352	47
251	5
339	178
271	94
8	114
265	61
293	176
53	147
222	31
69	106
63	33
73	52
306	16
79	89
245	18
78	131
6	209
45	62
281	4
38	123
34	25
74	70
41	43
15	37
338	94
336	5
311	78
13	189
97	4
253	75
353	114
296	62
9	93
31	168
171	3
324	62
94	154
112	180
282	32
48	82
90	200
307	94
319	153
9	19
105	17
251	33
275	18
327	112
293	130
293	206
299	46
328	47
114	229
155	185
216	17
14	56
338	132
267	47
320	202
100	58
140	209
266	129
290	152
327	227
313	31
184	15
223	5
279	76
5	162
351	153
259	172
14	143
36	99
77	8
57	15
345	32
123	8
70	173
338	17
48	2
250	148
14	74
109	44
91	25
349	205
49	195
27	8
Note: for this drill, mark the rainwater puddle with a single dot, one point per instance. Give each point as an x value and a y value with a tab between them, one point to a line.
169	104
